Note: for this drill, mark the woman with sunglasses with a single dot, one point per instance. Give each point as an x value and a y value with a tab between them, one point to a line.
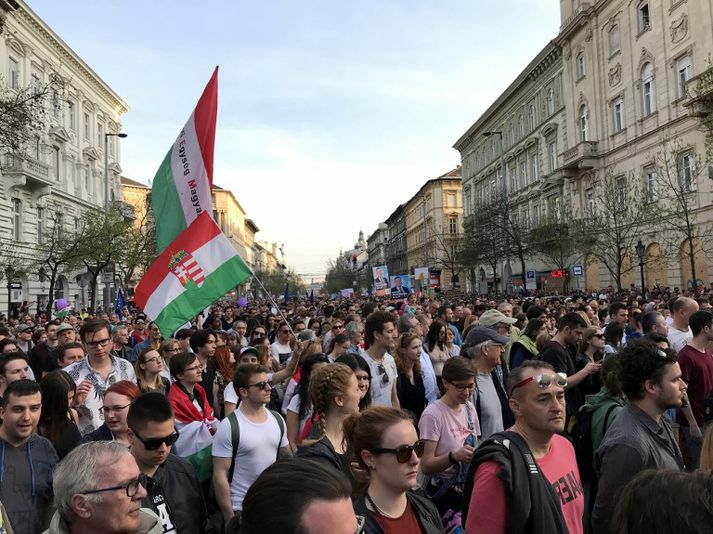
385	443
168	349
148	367
591	349
450	428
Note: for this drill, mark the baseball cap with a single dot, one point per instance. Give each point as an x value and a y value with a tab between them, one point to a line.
492	317
22	328
481	334
251	350
64	326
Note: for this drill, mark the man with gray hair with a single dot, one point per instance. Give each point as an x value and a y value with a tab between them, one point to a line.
98	488
120	342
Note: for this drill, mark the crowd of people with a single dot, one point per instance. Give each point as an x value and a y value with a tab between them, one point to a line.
588	413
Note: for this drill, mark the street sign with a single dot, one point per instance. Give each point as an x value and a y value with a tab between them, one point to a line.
578	270
530	280
107	277
15	285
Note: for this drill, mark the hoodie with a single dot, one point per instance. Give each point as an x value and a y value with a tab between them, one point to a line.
150	524
605	408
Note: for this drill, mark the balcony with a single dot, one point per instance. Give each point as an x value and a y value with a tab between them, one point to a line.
28	173
580	157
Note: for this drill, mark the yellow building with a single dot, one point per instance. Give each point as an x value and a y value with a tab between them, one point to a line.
434	221
230	216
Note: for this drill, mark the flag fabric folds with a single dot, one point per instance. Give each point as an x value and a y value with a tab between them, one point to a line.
120	304
287	293
182	187
195	270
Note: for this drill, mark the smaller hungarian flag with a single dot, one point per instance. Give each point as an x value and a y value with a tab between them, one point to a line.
194	271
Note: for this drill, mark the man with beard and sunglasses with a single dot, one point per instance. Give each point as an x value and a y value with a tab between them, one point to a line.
526	479
173	490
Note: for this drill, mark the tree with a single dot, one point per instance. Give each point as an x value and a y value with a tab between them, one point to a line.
140	250
619	220
448	248
514	230
340	275
700	92
275	282
13	265
483	241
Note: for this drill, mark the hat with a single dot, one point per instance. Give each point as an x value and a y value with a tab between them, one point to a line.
492	317
251	350
306	335
64	326
390	308
481	334
22	328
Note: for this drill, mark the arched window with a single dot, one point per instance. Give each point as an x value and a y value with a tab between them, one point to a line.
647	89
521	126
583	123
614	39
581	67
532	118
550	101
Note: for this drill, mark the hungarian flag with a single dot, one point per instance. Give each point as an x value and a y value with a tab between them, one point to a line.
182	187
194	271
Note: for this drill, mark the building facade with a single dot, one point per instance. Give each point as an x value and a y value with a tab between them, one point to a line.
376	245
61	174
396	258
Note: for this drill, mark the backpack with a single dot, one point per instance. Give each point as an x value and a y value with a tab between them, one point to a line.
235	437
582	439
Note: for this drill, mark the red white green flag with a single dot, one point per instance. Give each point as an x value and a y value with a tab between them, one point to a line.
194	271
182	187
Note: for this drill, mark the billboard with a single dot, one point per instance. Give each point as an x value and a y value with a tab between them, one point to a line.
400	286
381	280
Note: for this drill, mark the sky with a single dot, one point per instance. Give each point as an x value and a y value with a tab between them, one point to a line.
330	113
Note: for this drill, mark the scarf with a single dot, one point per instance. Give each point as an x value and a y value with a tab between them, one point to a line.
529	344
183	407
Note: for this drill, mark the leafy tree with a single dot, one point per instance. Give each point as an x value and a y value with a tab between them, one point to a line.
340	275
483	241
140	250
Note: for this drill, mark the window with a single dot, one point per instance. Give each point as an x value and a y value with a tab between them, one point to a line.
583	123
511	135
451	200
589	203
521	126
550	101
536	214
71	116
100	136
618	108
513	181
644	17
580	66
60	224
56	162
534	167
40	223
650	185
36	146
533	122
35	84
493	190
552	155
523	173
687	173
85	180
683	70
453	225
86	126
614	40
13	75
620	193
56	106
647	89
17	219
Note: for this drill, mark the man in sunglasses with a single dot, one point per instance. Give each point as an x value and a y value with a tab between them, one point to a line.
526	478
173	490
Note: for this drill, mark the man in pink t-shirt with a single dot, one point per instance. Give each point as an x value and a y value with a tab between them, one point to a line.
510	489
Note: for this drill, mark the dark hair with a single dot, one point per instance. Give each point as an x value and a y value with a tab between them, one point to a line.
609	374
616	306
92	326
649	320
433	332
516	374
356	361
305	375
183	333
294	483
54	418
532	328
642	360
59	352
37	334
180	361
571	320
657	337
8	341
614	333
199	338
535	311
686	505
9	357
375	322
699	320
243	373
457	368
19	388
151	407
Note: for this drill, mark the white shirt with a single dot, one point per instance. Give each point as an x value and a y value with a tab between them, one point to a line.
679	338
257	450
278	348
380	387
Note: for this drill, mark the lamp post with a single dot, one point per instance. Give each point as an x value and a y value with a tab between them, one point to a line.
106	165
640	251
504	195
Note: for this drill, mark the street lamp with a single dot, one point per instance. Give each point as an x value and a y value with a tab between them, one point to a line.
508	268
106	165
640	251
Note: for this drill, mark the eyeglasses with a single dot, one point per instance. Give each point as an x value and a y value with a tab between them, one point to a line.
543	381
98	343
131	487
284	331
462	387
194	368
153	360
171	350
260	385
153	444
404	452
338	326
110	409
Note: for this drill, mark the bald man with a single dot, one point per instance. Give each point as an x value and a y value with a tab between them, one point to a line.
679	333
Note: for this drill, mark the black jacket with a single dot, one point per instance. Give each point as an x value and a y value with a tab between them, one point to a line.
425	511
100	434
534	506
183	493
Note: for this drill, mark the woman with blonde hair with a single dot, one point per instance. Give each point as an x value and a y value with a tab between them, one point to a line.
148	367
409	383
168	349
384	442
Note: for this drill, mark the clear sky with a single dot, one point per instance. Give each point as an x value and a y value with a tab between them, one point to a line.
330	113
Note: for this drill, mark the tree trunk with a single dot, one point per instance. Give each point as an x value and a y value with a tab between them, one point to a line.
92	291
692	259
53	281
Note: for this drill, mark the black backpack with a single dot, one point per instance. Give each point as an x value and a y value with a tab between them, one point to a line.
582	440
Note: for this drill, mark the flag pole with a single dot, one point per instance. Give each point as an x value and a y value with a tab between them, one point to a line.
269	296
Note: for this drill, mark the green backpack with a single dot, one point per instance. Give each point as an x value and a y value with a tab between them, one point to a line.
235	437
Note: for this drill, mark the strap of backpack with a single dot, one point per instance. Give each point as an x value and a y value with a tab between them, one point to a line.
606	418
235	441
281	424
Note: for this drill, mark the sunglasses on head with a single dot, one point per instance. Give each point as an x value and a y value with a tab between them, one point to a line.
404	452
153	444
543	381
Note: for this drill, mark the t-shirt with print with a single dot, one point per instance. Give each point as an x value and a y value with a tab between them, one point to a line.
489	510
383	377
257	450
161	507
448	428
280	353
